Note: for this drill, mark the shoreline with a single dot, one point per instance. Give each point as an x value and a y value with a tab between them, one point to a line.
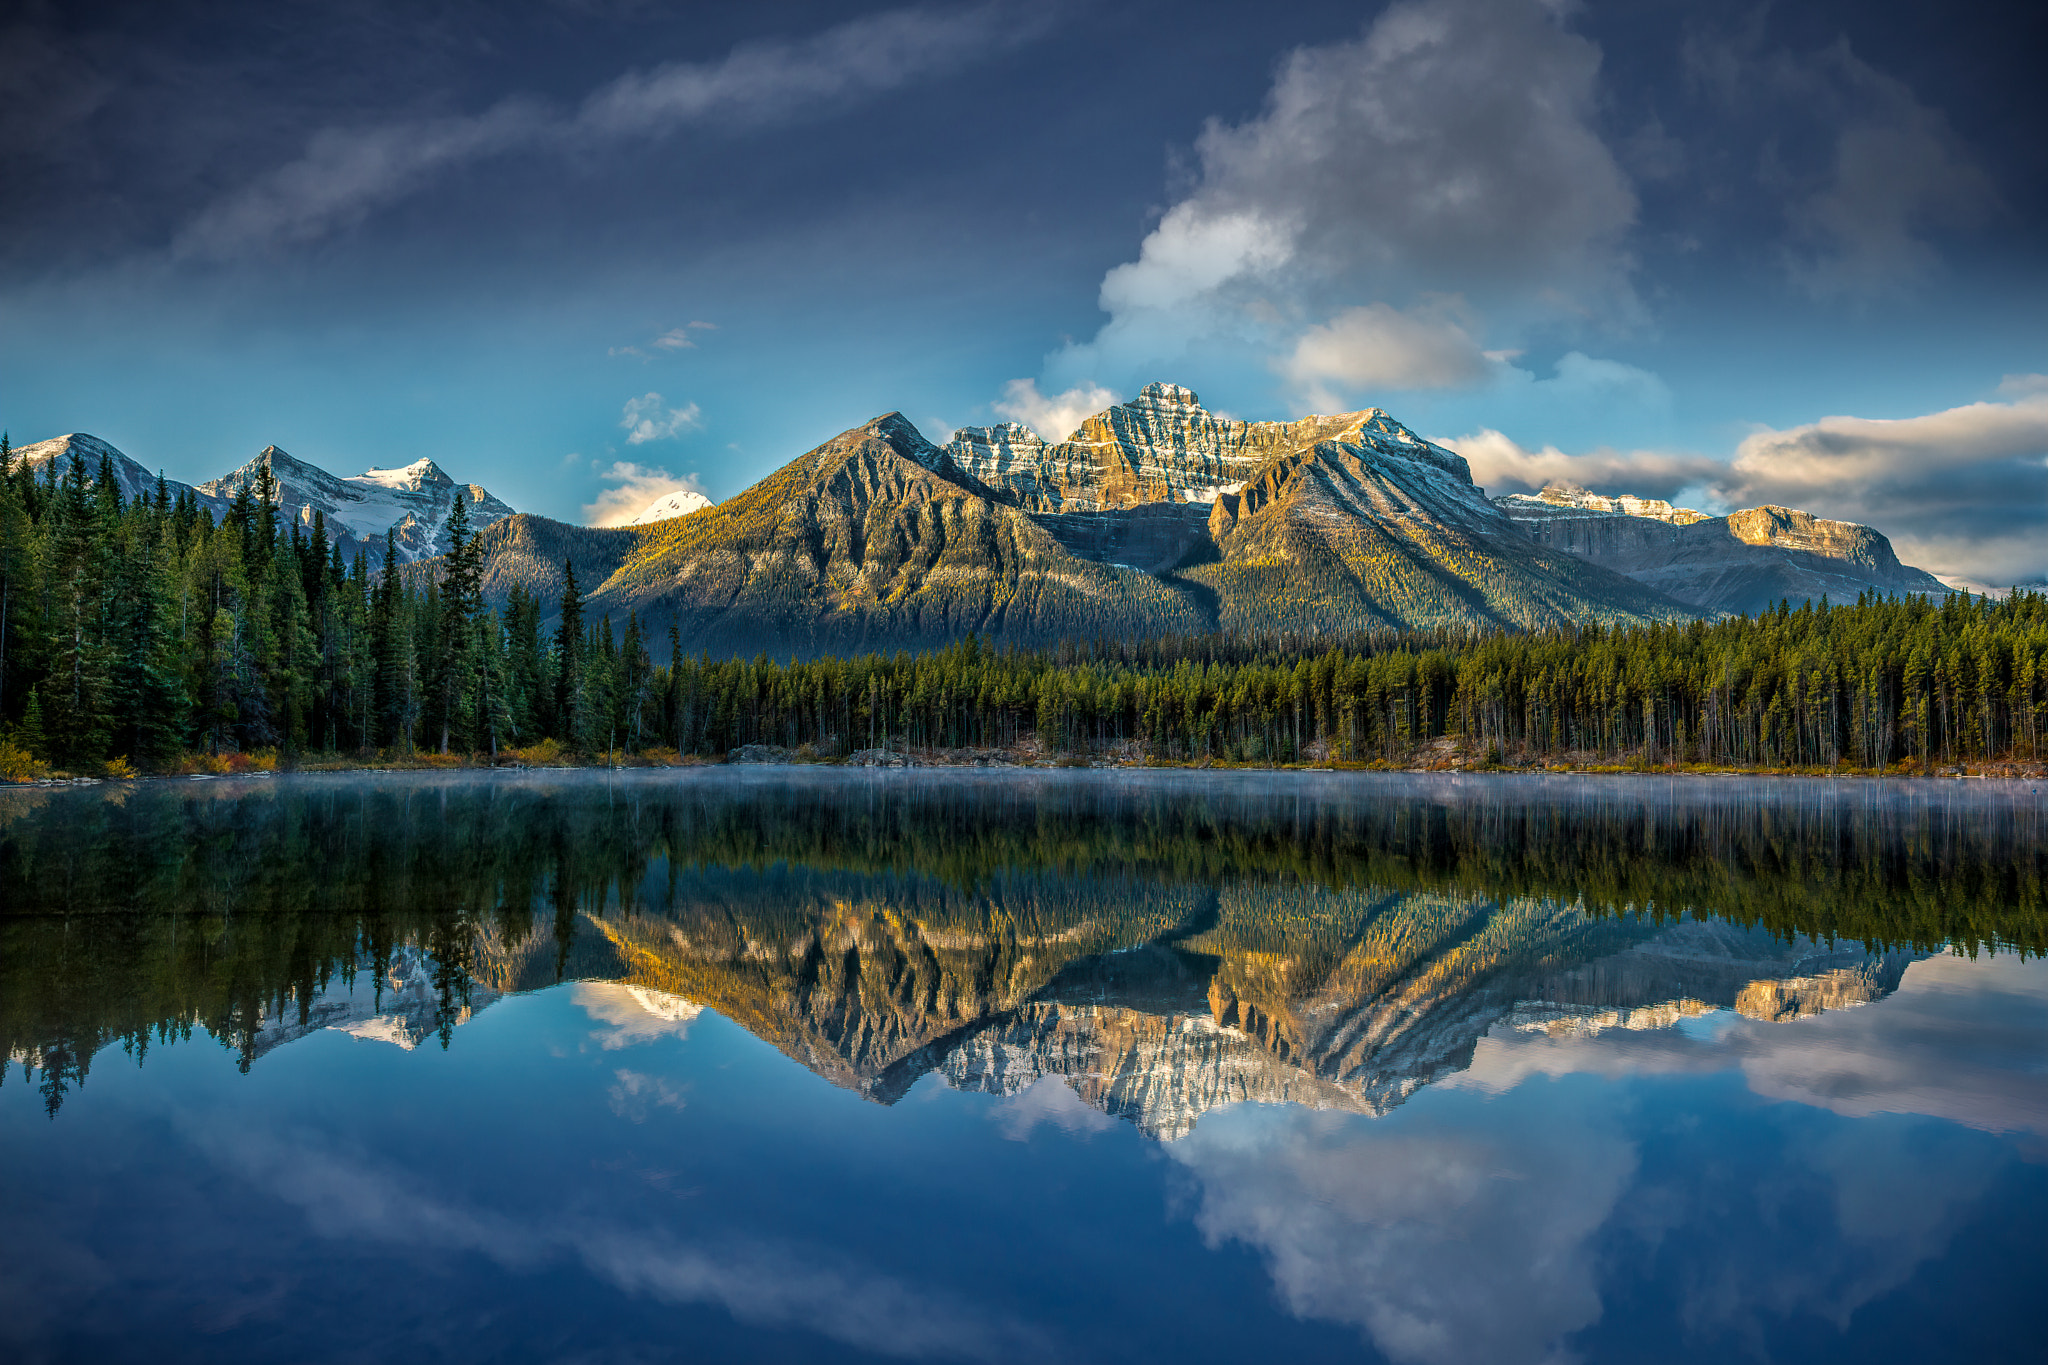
994	761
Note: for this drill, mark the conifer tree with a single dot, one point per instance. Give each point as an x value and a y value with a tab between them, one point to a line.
571	713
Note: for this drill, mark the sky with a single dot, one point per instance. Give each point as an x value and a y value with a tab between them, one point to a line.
585	252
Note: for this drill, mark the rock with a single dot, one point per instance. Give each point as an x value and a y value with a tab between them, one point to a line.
878	758
759	753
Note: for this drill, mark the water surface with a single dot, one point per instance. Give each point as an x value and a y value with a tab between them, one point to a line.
1008	1067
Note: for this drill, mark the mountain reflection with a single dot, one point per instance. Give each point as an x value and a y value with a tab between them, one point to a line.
1160	946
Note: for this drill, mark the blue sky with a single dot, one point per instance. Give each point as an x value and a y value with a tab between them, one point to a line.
581	251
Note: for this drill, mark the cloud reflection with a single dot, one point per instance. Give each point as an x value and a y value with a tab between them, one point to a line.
1487	1225
350	1197
1959	1040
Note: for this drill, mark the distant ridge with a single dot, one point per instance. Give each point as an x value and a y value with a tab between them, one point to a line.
1745	562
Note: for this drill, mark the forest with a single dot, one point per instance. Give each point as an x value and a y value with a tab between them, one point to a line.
136	634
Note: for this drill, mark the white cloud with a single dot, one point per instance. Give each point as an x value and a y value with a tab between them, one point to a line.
1445	1242
633	486
348	173
636	1015
679	338
646	419
1501	465
1053	418
1962	493
1378	346
1450	149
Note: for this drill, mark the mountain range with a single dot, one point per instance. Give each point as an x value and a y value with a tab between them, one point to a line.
1155	517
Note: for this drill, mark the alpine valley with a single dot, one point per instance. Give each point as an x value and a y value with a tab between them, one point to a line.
1155	517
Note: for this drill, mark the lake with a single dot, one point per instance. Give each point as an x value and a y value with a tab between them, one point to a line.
810	1064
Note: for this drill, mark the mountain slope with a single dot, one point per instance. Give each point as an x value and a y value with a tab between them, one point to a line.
1382	529
1744	562
414	501
863	543
530	551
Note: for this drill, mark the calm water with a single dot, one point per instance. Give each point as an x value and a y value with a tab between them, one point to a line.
834	1066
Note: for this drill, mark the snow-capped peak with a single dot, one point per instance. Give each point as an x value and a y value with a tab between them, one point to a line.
421	473
680	503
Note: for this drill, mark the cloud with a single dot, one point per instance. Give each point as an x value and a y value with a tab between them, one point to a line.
1500	465
1962	492
1054	418
1379	346
1048	1100
1488	1227
633	487
647	420
355	1199
636	1014
1445	1241
1867	174
679	338
347	173
1449	150
632	1091
1953	1042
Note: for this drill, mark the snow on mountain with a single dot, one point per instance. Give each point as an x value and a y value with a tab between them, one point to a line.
414	501
677	504
134	480
1559	497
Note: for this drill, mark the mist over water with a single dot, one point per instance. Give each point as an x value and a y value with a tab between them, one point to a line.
826	1064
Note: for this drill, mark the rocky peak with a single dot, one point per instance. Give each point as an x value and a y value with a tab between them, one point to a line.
1790	529
1163	446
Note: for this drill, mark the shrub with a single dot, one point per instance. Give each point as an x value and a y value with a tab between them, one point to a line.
546	754
19	765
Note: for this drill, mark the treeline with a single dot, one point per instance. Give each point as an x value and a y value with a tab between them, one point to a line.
138	629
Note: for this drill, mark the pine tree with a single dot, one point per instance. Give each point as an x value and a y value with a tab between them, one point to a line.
571	714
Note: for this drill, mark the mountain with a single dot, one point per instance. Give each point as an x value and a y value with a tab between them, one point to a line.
530	551
134	480
1156	517
1745	562
677	504
414	501
874	541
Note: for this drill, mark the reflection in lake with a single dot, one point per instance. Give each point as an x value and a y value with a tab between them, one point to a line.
1473	1068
